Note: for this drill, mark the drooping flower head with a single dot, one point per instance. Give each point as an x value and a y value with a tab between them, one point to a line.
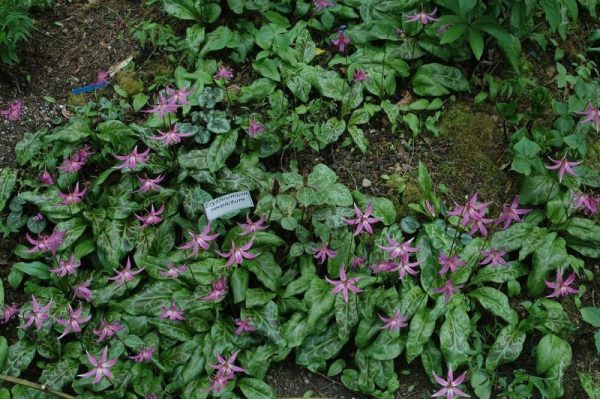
397	250
227	366
511	213
73	197
180	95
46	243
74	321
82	290
8	312
404	267
124	275
321	5
172	312
423	17
171	136
255	128
394	322
101	367
46	178
165	105
200	240
67	266
237	254
243	325
563	166
223	73
144	355
13	112
174	271
448	289
362	220
323	253
152	217
149	184
586	202
562	287
450	386
218	382
38	314
218	291
360	75
344	284
107	330
495	257
449	263
357	262
592	115
341	41
251	227
133	159
470	211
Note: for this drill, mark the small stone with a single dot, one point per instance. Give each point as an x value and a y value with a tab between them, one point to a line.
366	183
306	381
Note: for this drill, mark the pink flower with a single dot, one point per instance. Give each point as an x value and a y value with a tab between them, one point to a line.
13	112
592	115
404	267
166	105
174	271
74	321
180	95
587	202
172	312
46	243
472	210
252	227
255	128
495	257
223	73
237	255
384	267
395	322
430	208
448	289
399	250
152	217
226	366
102	77
8	312
200	240
67	267
144	355
70	166
563	167
37	315
321	5
125	274
360	76
107	330
219	290
101	366
341	41
148	184
423	17
243	325
218	382
46	178
82	291
478	223
560	287
323	253
132	159
450	386
511	213
171	136
357	262
363	221
151	396
344	285
73	197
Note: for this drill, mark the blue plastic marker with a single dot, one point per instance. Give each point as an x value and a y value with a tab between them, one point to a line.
88	88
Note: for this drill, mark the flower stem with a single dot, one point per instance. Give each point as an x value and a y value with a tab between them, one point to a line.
33	385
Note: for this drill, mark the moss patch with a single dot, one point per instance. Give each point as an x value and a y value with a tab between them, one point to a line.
128	81
469	154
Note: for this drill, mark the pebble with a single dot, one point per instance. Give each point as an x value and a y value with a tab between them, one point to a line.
366	183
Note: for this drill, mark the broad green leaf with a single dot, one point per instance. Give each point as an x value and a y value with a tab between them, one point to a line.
220	149
438	80
591	315
496	302
3	352
507	347
551	255
254	388
346	314
320	301
266	269
454	336
8	180
550	352
57	375
20	355
34	269
316	349
387	346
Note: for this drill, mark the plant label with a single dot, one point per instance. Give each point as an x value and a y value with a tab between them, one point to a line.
227	203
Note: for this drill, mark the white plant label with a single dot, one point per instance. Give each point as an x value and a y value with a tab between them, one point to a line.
227	203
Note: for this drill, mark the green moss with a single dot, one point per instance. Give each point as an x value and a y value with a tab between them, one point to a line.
78	100
593	155
469	154
128	81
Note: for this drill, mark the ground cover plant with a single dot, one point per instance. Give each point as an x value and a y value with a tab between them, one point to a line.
130	291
